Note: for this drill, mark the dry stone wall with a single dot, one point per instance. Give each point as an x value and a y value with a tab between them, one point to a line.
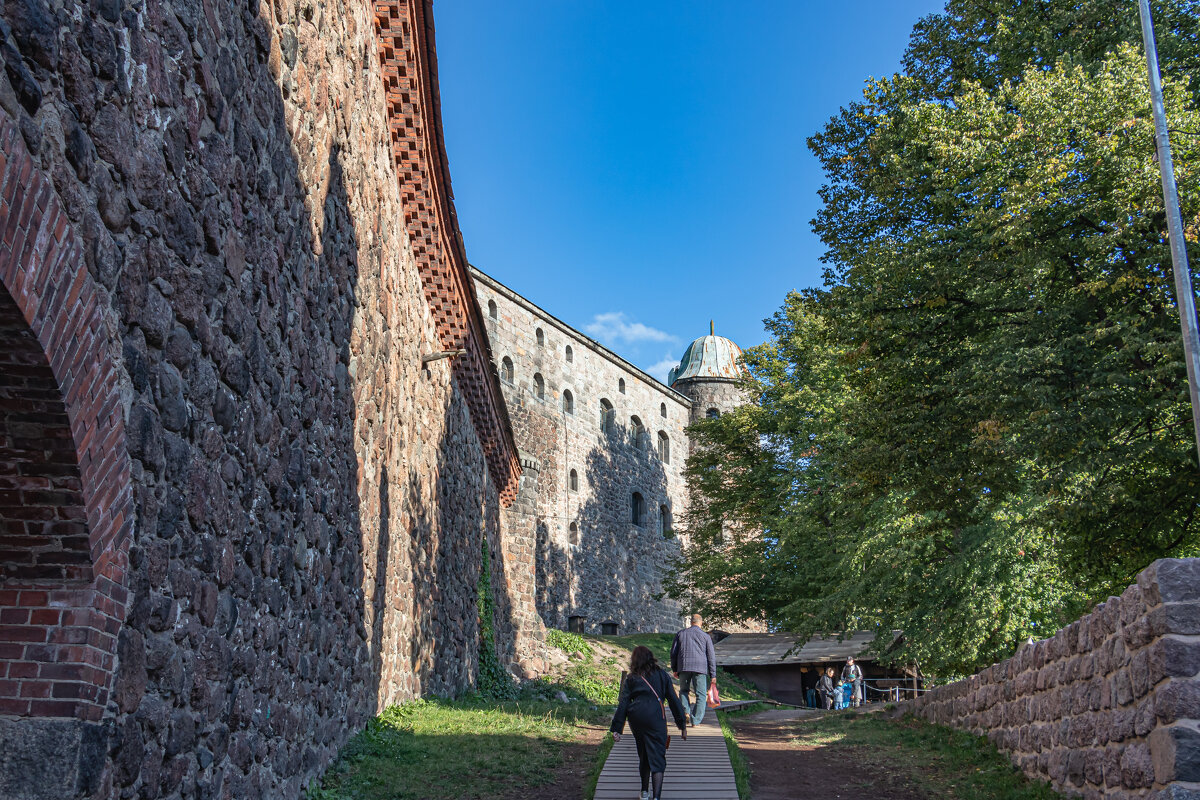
309	501
608	570
1109	707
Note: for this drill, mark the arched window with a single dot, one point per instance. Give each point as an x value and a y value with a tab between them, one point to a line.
492	311
621	386
539	386
568	401
712	413
573	481
506	370
664	447
638	507
570	354
662	410
664	521
574	533
638	432
541	338
606	415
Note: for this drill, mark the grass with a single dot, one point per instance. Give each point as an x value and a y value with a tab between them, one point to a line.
941	761
447	750
589	786
741	770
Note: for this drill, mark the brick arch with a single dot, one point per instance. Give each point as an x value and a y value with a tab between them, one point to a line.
58	632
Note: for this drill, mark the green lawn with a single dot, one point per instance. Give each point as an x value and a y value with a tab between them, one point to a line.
453	750
939	761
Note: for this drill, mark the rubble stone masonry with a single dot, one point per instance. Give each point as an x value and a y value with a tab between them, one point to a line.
1108	707
226	245
592	560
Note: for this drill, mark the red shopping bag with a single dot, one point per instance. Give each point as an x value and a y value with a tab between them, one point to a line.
714	699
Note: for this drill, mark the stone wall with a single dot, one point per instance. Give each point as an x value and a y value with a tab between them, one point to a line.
1109	707
608	569
706	394
233	276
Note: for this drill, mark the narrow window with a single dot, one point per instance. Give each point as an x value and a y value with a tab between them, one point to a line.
621	386
570	354
506	370
541	338
573	481
539	386
712	413
575	533
637	432
638	507
606	415
568	401
664	447
662	410
492	312
664	522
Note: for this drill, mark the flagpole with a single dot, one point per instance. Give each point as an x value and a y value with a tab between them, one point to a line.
1184	297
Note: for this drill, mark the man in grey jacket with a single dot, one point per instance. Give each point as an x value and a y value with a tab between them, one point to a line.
692	660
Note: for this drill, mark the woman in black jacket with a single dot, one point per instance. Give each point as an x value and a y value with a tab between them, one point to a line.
826	688
641	703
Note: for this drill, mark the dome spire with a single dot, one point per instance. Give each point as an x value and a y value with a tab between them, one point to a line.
708	357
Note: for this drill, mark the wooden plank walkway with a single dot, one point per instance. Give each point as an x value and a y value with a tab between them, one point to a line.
697	769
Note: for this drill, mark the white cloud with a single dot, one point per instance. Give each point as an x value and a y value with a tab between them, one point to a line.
661	369
612	327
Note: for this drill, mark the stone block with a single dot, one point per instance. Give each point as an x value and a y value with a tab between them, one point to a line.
1175	751
50	759
1172	580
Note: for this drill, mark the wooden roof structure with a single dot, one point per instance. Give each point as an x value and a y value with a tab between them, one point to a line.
775	649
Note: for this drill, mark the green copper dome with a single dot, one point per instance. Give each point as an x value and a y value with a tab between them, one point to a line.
709	356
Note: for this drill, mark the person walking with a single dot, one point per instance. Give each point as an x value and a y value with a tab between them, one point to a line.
826	689
853	675
692	660
642	704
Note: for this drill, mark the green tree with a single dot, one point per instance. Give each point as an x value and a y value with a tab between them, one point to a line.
980	424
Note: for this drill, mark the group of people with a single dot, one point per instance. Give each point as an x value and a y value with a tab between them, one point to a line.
846	691
694	663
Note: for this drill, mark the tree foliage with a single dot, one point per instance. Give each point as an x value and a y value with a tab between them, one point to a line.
980	424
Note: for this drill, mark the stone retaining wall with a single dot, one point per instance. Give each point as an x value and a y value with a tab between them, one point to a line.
1108	707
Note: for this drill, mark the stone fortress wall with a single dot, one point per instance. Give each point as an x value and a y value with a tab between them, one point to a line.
710	394
593	560
1108	707
226	247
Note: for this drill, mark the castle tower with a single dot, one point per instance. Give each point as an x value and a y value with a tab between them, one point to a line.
708	373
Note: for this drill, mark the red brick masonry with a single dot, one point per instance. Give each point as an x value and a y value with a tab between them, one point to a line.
58	635
404	29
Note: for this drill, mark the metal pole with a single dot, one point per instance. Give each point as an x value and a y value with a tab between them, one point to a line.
1184	297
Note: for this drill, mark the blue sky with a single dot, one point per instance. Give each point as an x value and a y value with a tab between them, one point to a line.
637	168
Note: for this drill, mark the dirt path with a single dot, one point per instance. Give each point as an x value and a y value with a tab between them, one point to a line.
782	770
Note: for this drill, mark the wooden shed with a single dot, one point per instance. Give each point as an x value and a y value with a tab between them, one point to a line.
776	665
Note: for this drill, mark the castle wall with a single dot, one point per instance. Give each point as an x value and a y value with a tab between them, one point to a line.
306	501
613	571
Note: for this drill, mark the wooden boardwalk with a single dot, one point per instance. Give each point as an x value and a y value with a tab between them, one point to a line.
697	769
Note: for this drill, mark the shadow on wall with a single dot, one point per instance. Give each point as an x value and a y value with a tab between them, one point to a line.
614	573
